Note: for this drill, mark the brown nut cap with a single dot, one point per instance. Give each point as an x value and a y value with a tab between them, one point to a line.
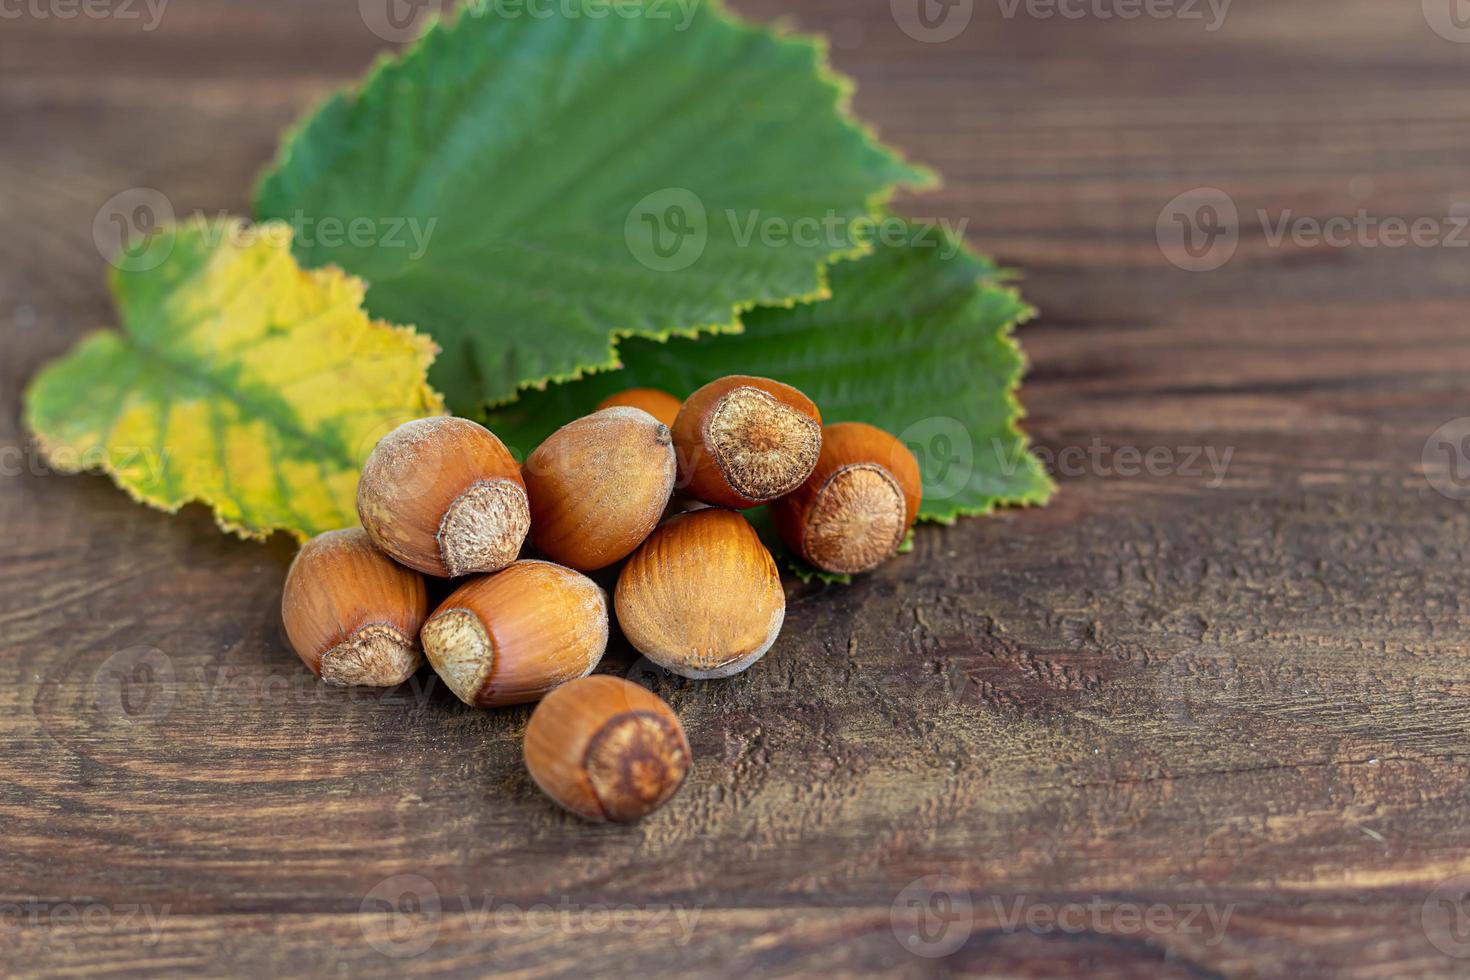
598	487
351	614
744	441
702	597
606	749
444	496
511	637
853	512
660	404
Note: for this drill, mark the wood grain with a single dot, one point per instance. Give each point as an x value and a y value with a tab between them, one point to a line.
1239	692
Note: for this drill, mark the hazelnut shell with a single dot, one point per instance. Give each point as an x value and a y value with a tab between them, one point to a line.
353	615
598	486
702	596
444	496
606	749
744	441
853	512
511	637
660	404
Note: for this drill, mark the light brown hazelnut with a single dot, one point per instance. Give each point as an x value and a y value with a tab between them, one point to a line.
598	487
702	596
606	749
660	404
744	441
511	637
444	496
353	615
855	509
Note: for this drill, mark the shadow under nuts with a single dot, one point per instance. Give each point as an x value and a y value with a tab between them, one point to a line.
443	495
702	596
351	613
855	509
511	637
606	749
743	441
598	486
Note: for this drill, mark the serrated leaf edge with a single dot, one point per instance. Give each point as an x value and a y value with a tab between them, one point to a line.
425	348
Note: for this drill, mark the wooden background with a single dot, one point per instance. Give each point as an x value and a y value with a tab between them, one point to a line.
1160	701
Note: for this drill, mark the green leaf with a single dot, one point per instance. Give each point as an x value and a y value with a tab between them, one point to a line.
916	339
529	189
237	380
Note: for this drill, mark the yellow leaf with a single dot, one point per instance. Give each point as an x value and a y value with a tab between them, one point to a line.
237	379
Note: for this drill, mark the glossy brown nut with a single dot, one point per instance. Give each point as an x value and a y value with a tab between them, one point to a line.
702	596
660	404
606	749
598	487
513	636
443	495
744	441
853	512
353	615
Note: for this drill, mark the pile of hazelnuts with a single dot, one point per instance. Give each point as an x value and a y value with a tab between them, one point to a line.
647	481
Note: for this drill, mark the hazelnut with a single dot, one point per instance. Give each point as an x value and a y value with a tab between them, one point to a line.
853	512
598	486
702	596
351	614
444	496
660	404
744	441
606	749
510	637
